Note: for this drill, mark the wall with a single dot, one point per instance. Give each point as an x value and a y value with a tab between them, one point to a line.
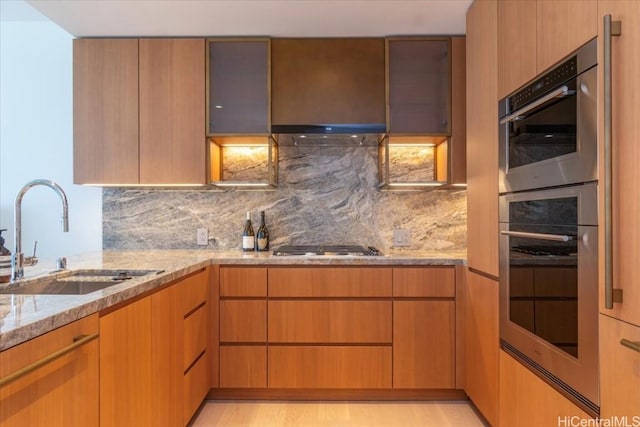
36	140
325	195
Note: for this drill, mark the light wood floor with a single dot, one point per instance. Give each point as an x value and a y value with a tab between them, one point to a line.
336	414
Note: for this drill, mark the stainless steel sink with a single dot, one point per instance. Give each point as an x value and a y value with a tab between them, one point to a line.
77	282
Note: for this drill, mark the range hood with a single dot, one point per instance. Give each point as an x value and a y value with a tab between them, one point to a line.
327	87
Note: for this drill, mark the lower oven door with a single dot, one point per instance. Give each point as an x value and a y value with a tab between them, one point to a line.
549	287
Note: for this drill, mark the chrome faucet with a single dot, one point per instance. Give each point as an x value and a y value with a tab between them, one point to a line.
18	261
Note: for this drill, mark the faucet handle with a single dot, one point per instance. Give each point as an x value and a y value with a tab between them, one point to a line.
33	259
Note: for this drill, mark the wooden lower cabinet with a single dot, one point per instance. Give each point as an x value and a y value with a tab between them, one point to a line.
62	392
329	367
154	366
526	400
125	365
337	328
483	344
423	344
243	366
619	371
166	360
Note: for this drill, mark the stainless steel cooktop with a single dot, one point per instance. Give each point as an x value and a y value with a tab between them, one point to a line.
310	250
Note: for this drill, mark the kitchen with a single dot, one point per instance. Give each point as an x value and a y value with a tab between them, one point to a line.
441	208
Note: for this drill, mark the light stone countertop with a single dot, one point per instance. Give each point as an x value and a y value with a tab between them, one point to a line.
23	317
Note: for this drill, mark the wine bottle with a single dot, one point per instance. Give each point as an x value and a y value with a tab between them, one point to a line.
248	238
262	237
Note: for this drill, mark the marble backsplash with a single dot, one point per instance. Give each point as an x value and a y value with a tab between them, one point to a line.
325	195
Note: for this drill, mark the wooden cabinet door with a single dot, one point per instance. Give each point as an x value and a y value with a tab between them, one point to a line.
562	27
483	344
239	86
167	357
62	392
527	401
172	111
482	136
126	371
619	373
105	111
423	344
626	155
418	75
327	81
516	45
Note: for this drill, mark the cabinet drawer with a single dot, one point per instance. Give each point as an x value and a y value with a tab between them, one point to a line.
330	321
62	392
243	321
330	282
193	291
196	335
424	282
243	366
329	367
196	387
243	282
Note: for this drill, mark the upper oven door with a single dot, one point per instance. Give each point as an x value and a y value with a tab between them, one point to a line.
552	139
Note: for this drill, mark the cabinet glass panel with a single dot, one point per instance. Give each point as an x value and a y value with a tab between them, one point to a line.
238	87
419	88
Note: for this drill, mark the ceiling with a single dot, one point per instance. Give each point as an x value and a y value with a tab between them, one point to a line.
276	18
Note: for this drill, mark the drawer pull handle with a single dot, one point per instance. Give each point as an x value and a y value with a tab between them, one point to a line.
633	345
78	342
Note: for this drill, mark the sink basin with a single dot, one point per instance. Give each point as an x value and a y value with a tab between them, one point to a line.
58	287
77	282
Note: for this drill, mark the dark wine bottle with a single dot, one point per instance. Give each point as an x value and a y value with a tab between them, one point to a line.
262	237
248	238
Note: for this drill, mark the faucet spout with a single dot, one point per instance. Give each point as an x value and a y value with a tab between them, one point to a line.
17	262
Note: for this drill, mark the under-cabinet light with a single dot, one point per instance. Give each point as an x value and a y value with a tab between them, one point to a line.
241	184
102	184
415	184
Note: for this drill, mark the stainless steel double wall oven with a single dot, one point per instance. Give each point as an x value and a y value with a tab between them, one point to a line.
549	227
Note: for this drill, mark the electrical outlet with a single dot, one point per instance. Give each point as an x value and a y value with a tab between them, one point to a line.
401	237
202	237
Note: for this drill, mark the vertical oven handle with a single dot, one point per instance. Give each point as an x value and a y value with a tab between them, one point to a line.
541	236
561	92
611	28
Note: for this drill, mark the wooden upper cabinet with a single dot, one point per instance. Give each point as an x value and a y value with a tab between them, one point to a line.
482	136
418	78
516	45
105	111
562	27
534	35
625	102
239	79
139	111
327	81
172	111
